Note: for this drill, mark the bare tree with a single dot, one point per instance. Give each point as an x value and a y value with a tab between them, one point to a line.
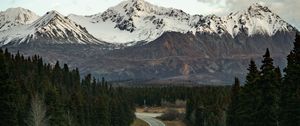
37	115
69	119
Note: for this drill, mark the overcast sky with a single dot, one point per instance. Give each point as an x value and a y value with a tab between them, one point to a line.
289	10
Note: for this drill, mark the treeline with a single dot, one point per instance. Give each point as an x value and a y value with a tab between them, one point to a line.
158	95
33	93
267	98
207	108
154	96
207	103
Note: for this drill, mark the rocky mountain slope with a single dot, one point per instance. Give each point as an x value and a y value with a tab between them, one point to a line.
138	41
138	20
50	28
14	17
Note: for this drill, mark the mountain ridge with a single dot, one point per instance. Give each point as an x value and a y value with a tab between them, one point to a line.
134	21
12	17
135	41
143	24
50	28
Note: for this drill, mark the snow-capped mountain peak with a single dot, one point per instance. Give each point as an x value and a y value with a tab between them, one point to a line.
51	28
256	7
134	21
49	17
131	7
55	26
139	20
13	17
257	19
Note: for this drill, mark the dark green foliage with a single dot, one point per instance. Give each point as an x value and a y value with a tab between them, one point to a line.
248	98
8	93
199	116
290	91
257	103
267	113
233	109
69	101
206	106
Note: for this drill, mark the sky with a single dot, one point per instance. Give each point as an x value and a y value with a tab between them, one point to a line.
289	10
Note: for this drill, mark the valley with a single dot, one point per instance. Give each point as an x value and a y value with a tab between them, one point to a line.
139	64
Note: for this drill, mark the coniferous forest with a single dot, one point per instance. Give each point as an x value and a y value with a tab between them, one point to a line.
37	94
268	98
34	93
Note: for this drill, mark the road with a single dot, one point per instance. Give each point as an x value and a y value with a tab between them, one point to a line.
150	119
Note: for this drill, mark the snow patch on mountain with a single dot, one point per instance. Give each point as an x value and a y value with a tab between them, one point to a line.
138	20
14	17
257	19
53	27
133	21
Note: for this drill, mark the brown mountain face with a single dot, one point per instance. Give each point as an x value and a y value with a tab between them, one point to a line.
202	58
172	58
131	43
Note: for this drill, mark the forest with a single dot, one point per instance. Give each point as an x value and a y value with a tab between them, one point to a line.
267	98
35	93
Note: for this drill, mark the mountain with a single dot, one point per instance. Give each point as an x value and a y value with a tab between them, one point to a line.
137	41
133	21
138	20
199	58
51	28
14	17
206	49
257	19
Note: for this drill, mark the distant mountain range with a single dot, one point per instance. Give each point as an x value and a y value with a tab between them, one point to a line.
140	42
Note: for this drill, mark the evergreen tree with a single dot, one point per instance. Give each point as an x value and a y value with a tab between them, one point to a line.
253	74
267	112
249	96
199	117
290	96
55	108
233	113
102	115
8	110
278	74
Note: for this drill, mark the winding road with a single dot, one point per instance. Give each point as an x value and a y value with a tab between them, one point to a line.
150	119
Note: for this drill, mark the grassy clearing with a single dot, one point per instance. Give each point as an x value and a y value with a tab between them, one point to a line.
138	122
174	123
159	109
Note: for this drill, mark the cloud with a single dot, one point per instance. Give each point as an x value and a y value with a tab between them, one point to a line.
13	1
287	9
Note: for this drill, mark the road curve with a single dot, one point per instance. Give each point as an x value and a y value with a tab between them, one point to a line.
150	119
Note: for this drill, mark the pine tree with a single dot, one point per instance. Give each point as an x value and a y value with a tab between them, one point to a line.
253	74
102	116
57	75
55	111
199	117
249	97
8	110
267	113
278	74
232	113
290	97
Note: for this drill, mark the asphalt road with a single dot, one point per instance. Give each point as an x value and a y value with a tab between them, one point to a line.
150	119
